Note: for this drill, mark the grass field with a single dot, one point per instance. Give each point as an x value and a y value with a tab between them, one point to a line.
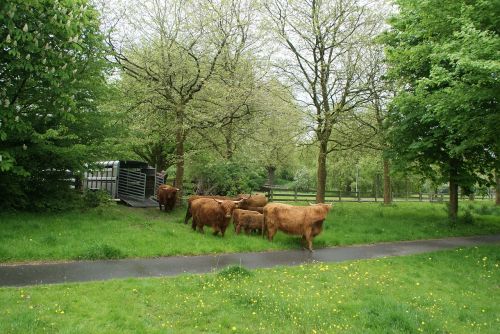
442	292
118	231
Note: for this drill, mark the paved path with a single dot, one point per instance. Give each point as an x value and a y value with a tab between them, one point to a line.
30	274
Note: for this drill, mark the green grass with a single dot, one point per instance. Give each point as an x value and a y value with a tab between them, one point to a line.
118	231
442	292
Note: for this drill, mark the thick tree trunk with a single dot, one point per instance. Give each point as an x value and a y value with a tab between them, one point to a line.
387	183
497	188
321	184
453	209
179	153
271	170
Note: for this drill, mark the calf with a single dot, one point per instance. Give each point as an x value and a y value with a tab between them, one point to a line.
297	220
251	222
212	212
238	214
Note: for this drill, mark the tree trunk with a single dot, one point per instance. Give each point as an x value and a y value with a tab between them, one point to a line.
387	183
497	188
453	209
179	153
321	184
270	174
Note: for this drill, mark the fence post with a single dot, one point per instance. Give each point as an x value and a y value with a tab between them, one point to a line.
340	195
420	196
295	195
270	194
358	193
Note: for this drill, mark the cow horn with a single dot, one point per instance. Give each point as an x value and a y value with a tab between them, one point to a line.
218	200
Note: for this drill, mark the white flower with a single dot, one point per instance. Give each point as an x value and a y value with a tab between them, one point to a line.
16	118
25	147
6	103
25	28
28	56
7	40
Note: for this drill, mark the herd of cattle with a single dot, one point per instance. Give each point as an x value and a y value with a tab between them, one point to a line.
249	213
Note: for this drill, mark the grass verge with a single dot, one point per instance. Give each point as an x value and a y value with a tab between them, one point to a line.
442	292
118	231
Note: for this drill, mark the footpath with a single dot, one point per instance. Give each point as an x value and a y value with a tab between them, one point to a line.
81	271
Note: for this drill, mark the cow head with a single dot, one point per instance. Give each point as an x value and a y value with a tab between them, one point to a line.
325	206
228	206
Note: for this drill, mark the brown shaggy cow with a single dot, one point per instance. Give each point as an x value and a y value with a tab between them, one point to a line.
250	222
166	195
212	212
190	200
249	200
259	209
239	213
298	220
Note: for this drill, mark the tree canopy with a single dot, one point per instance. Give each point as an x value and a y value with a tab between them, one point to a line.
444	56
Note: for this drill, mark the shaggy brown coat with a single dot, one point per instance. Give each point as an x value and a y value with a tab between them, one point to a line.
298	220
251	222
249	200
212	212
189	214
258	209
239	213
166	195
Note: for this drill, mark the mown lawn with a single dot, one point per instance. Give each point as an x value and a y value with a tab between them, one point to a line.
119	231
453	291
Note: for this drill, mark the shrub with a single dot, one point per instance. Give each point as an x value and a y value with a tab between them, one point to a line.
228	178
101	252
234	272
96	198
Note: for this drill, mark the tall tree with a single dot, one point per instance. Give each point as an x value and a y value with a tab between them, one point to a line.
325	40
178	51
51	77
444	57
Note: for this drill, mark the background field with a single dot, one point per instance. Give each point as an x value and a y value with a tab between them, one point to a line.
118	231
443	292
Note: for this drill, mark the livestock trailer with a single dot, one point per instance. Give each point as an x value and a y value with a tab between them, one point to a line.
133	182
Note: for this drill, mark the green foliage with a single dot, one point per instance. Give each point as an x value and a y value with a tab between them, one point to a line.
101	252
51	77
303	180
234	273
444	56
96	198
228	177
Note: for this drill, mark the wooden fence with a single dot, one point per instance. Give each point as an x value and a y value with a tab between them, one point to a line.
275	194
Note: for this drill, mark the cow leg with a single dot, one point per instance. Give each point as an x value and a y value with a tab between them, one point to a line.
159	204
309	239
188	213
223	230
271	231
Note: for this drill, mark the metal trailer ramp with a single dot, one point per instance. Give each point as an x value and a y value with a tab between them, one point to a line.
131	189
138	202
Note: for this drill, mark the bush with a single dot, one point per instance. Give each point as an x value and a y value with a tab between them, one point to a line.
101	252
303	180
234	272
228	178
96	198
